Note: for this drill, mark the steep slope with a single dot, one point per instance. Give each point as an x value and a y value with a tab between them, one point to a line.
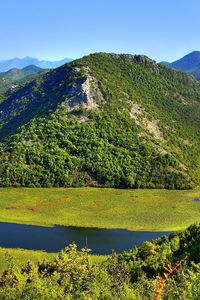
14	77
20	63
107	120
190	63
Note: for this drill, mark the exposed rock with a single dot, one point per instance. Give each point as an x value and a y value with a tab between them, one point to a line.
138	59
159	149
143	120
85	91
151	126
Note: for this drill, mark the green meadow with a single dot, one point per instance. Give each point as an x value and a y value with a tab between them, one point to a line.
153	210
18	257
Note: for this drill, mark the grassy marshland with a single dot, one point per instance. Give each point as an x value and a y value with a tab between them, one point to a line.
94	207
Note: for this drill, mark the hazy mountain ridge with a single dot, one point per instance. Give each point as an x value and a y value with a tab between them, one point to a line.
190	63
107	120
21	63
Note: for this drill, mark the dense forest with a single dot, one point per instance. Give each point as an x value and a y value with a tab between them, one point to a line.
166	268
104	120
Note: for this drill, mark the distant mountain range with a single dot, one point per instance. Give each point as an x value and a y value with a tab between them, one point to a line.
190	63
21	63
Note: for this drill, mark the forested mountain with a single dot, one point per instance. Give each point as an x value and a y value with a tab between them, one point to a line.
20	63
104	120
190	63
14	77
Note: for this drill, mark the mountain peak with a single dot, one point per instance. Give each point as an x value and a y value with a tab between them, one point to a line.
193	53
137	58
133	58
189	63
13	70
106	120
32	68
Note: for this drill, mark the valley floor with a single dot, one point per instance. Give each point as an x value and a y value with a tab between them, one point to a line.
150	210
109	208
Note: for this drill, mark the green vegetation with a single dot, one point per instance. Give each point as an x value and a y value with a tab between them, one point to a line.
20	257
105	120
15	78
130	275
153	210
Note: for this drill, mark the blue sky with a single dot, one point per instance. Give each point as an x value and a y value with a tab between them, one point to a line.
54	29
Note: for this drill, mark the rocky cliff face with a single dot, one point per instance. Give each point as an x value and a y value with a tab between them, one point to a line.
138	59
85	91
72	86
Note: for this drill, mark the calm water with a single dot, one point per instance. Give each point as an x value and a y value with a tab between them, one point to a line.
52	239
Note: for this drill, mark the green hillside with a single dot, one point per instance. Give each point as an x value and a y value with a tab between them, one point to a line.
13	78
104	120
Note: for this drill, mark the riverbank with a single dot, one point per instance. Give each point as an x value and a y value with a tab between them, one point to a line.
19	257
146	210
